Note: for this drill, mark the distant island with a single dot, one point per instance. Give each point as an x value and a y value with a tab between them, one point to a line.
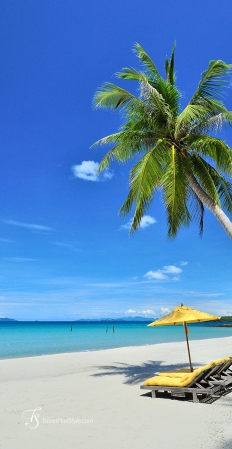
225	321
124	319
6	319
101	320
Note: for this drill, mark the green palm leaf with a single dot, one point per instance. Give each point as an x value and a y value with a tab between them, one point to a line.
112	96
224	189
146	60
212	83
200	169
174	186
216	149
169	67
196	208
144	181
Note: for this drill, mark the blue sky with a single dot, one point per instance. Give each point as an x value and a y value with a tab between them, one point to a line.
65	252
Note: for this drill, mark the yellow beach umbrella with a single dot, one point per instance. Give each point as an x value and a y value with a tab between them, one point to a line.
184	315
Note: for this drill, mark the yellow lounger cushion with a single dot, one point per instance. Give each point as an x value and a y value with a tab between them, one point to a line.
178	378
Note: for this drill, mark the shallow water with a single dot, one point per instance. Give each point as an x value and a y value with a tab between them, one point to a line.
23	339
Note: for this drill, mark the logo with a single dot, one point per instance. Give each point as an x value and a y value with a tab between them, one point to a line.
32	418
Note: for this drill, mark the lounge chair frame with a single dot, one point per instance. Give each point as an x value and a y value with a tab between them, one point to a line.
223	376
196	387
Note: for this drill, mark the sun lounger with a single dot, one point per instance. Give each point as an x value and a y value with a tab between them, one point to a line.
179	383
226	369
223	376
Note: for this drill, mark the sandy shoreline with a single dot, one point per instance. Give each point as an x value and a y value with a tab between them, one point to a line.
98	392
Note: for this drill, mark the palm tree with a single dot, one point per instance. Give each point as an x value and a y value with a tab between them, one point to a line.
179	153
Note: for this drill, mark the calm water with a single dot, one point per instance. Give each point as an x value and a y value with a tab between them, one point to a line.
23	339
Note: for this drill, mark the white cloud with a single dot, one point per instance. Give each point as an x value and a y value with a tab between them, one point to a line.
20	259
33	227
126	226
171	269
147	312
65	245
205	294
146	221
88	170
6	241
226	312
165	310
183	263
163	274
107	174
155	275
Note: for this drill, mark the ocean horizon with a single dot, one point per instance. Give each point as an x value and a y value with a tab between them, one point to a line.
36	338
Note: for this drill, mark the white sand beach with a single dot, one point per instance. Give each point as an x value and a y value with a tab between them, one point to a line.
102	387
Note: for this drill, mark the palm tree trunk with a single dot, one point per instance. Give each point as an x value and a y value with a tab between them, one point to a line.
210	204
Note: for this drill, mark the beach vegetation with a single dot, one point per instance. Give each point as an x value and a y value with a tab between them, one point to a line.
176	149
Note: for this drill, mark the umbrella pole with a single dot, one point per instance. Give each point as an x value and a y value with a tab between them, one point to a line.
186	334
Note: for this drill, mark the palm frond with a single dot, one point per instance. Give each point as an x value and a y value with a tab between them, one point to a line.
146	60
169	67
155	100
107	140
174	186
144	181
212	83
128	73
189	118
214	123
129	145
201	170
112	96
166	65
120	153
197	209
224	189
172	67
214	148
170	93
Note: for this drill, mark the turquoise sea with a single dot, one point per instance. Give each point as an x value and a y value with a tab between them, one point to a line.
24	339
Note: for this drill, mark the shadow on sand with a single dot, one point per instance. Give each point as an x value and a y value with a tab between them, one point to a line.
136	374
226	444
